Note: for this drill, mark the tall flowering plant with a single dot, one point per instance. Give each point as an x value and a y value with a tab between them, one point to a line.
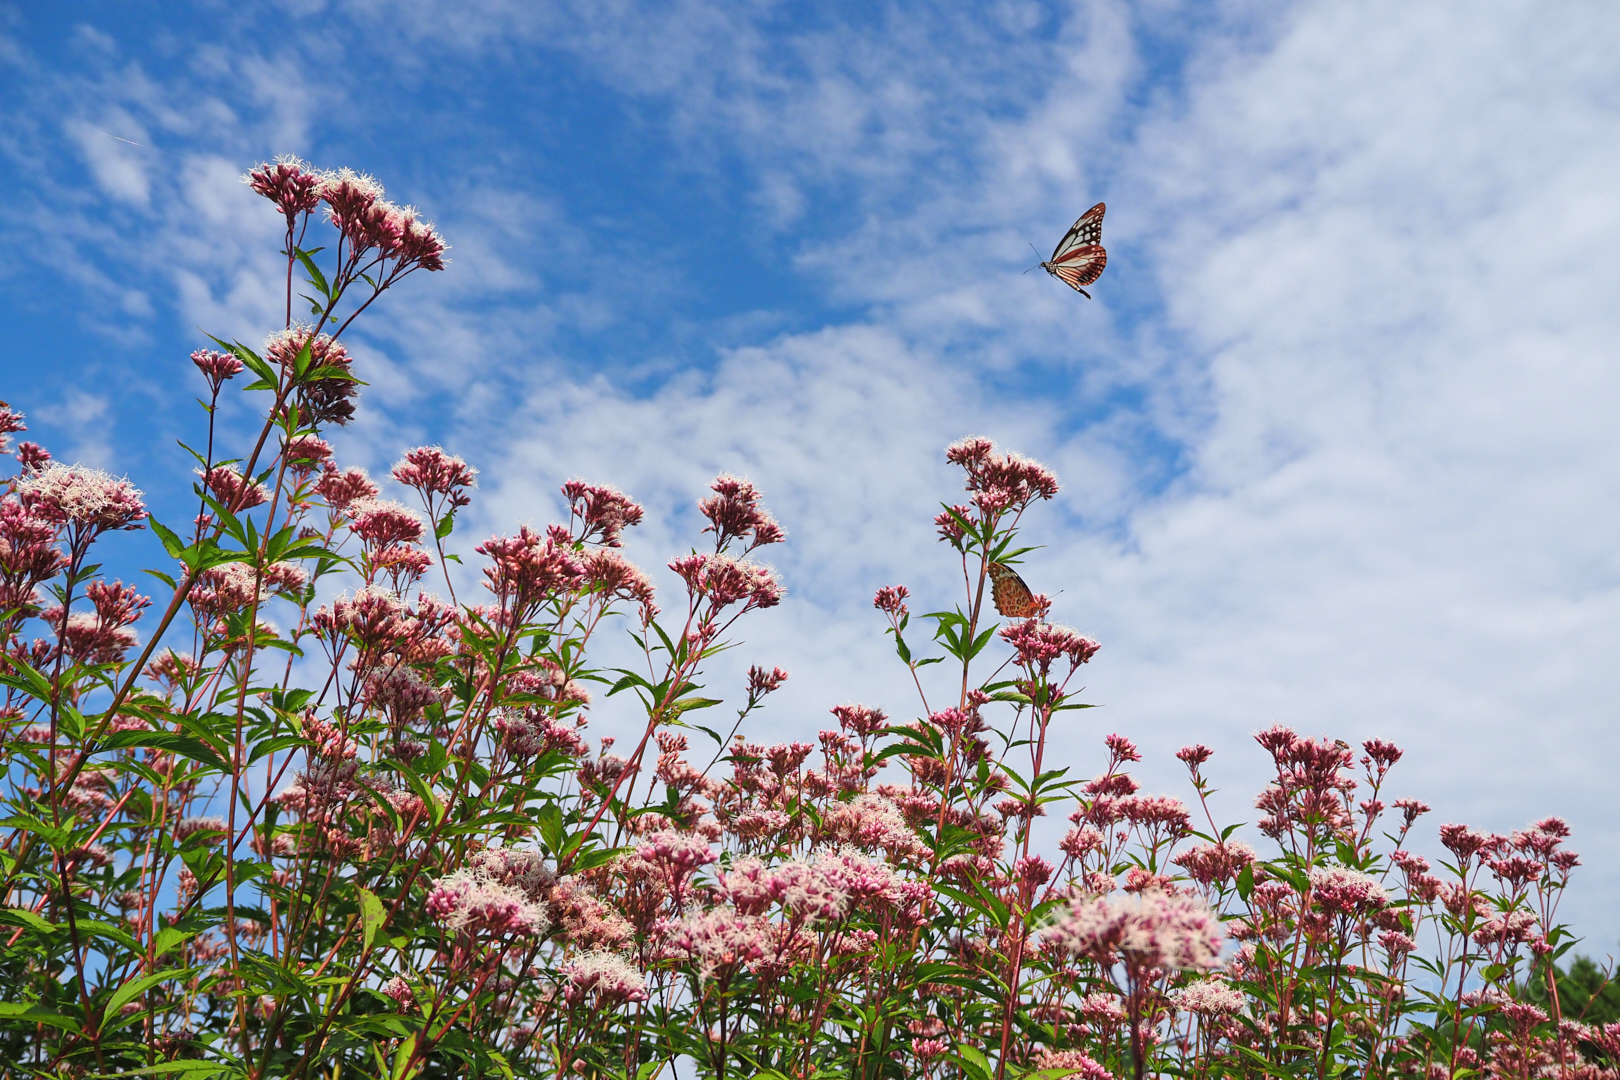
372	837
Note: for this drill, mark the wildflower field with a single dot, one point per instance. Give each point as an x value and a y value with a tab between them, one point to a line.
383	842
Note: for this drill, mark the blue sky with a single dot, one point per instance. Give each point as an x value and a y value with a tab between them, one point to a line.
1337	433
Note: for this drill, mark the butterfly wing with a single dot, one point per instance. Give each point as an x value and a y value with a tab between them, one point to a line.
1079	258
1080	267
1012	597
1085	232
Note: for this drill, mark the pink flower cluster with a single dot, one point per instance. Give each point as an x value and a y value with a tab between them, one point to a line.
724	581
1000	482
734	512
475	902
1153	930
603	512
83	498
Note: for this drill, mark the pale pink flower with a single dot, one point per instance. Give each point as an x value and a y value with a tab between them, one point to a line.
431	470
610	976
1039	644
1000	482
872	821
473	903
214	827
341	487
734	512
1075	1064
860	720
1153	930
384	522
1211	997
228	485
720	938
1208	864
400	991
83	497
891	599
603	512
327	391
724	581
1341	891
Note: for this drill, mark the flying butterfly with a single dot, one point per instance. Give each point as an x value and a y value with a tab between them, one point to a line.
1013	598
1079	257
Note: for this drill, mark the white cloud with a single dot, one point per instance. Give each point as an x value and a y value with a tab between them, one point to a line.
1338	431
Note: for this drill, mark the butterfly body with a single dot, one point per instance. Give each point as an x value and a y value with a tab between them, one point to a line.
1079	258
1012	597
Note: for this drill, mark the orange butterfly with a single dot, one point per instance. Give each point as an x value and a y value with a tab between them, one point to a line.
1079	257
1013	598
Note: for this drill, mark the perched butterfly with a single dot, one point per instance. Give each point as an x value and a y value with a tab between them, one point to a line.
1079	257
1013	598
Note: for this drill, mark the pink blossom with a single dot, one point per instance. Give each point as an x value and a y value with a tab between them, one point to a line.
326	391
400	991
306	453
615	577
228	485
1209	864
384	522
82	497
734	512
289	183
213	827
527	567
720	939
1040	643
216	367
724	581
679	853
611	977
762	682
31	456
860	720
430	470
871	821
1076	1064
892	599
473	903
1194	755
340	488
1153	930
1000	482
1211	997
1341	891
603	512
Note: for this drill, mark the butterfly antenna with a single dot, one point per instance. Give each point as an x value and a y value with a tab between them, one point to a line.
1032	247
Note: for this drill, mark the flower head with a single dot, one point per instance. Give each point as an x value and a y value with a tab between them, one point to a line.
216	367
734	512
82	497
289	183
1153	930
430	470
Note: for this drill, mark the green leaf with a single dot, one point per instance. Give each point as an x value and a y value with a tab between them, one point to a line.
29	919
372	914
402	1056
33	1014
316	278
445	526
195	1068
136	987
